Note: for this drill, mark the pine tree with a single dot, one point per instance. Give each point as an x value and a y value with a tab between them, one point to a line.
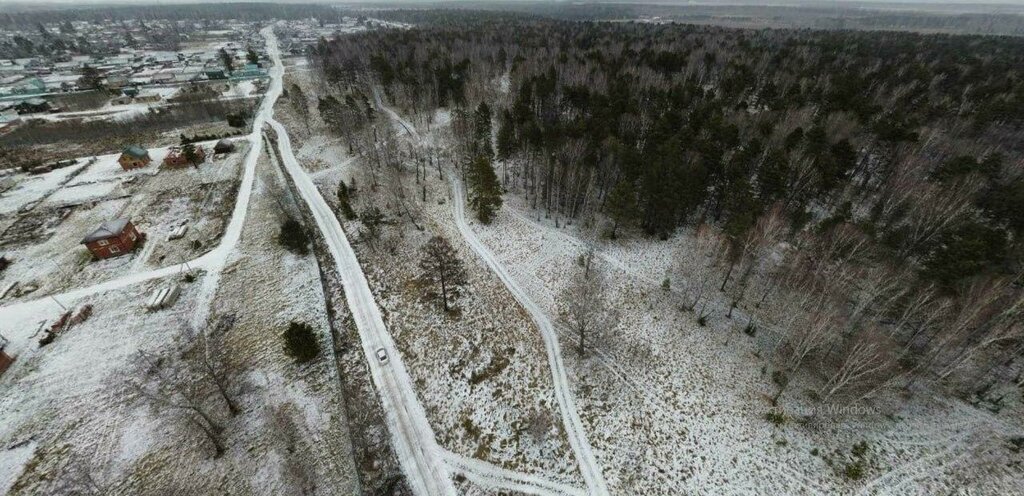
226	59
622	207
485	197
300	342
482	129
344	202
441	265
506	136
190	154
293	237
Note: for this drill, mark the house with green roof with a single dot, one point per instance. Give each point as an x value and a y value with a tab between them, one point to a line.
134	157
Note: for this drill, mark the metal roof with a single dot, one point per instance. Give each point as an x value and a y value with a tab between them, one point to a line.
108	229
136	151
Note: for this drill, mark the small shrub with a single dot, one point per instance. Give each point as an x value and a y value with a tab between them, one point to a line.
775	417
666	285
750	330
237	119
860	449
293	237
854	470
702	321
189	277
780	379
300	342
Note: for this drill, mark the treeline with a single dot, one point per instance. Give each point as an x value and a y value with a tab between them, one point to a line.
102	135
198	12
870	184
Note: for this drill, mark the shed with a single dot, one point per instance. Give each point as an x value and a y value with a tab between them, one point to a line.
134	157
223	146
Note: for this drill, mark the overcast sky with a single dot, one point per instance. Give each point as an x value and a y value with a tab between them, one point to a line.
37	3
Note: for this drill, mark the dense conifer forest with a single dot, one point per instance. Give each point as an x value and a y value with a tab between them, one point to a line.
858	196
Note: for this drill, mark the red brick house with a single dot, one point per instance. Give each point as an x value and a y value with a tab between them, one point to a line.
134	157
113	238
176	159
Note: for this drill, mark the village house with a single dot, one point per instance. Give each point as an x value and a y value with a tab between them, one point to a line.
147	97
113	238
134	157
176	158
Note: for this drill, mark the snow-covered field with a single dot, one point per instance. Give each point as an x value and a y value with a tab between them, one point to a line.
71	397
691	401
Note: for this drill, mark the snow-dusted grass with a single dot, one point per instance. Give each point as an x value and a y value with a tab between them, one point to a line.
70	397
673	407
30	189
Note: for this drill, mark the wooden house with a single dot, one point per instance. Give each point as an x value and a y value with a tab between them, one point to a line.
134	157
113	238
176	158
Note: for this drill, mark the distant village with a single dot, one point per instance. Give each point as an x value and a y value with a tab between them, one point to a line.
145	63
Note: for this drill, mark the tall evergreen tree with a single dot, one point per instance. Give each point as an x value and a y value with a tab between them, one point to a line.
621	206
442	266
485	191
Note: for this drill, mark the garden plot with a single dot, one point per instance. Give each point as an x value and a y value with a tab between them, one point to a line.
673	407
73	401
53	260
31	189
70	397
84	193
45	244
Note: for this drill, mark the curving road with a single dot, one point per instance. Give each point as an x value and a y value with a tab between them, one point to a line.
570	416
411	435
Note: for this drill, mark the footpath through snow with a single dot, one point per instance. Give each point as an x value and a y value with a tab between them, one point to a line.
570	416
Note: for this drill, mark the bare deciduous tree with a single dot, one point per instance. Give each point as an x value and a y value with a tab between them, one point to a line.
170	386
587	312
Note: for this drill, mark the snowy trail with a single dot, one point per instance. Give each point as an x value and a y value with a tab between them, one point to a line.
570	416
494	477
211	261
406	125
411	434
